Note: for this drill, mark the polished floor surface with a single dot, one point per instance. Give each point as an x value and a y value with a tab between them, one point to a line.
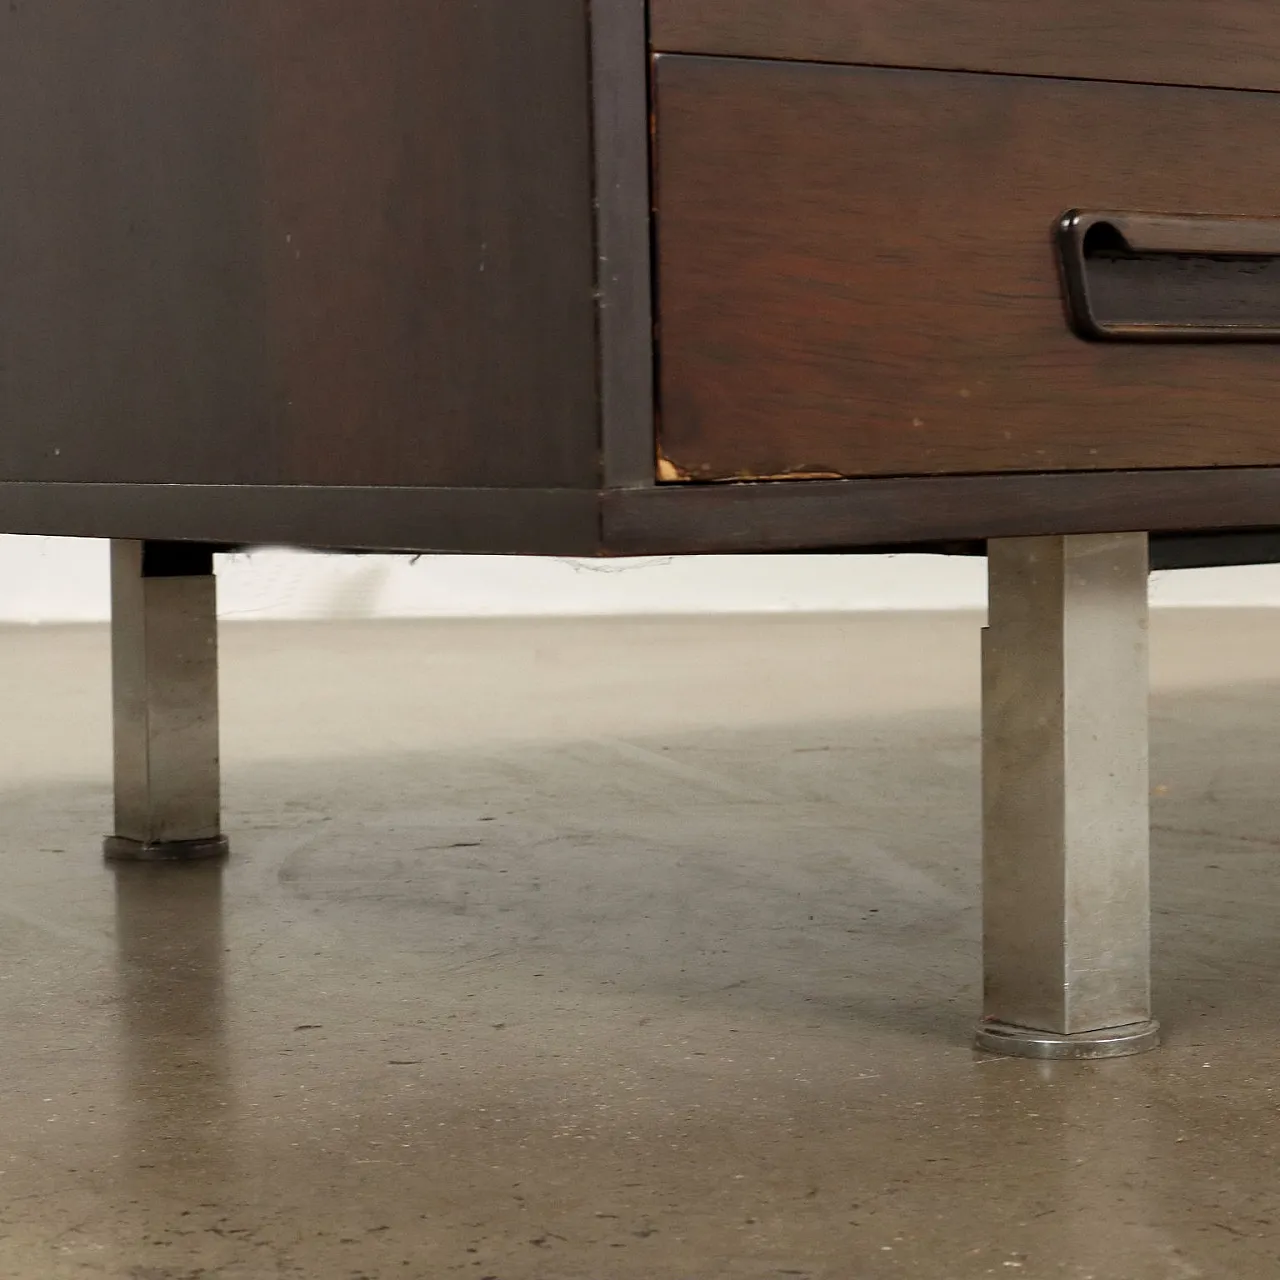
609	950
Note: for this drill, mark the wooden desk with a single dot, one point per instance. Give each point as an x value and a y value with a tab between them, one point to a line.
722	276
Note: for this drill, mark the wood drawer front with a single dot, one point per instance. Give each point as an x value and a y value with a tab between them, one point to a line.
1233	43
857	273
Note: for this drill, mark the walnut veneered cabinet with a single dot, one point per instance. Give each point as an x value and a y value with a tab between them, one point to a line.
574	276
596	277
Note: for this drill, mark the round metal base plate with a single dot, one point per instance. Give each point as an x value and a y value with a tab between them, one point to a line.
120	849
1023	1042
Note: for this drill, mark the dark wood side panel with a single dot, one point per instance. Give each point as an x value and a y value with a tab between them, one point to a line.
551	522
427	238
1232	43
132	303
857	273
620	100
300	241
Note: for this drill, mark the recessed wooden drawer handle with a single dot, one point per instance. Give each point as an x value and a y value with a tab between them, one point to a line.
1140	277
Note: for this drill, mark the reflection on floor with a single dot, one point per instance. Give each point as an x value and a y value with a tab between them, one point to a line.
610	950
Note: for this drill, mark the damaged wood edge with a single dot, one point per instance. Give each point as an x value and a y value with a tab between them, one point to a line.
786	475
670	472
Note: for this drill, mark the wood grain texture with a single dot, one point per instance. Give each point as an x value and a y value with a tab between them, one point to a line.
131	304
855	515
931	512
620	103
428	239
293	241
857	272
520	521
1230	43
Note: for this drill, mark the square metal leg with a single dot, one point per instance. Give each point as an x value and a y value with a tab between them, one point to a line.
1065	798
164	642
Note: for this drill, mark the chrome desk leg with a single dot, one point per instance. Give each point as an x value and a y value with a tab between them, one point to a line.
1065	799
164	644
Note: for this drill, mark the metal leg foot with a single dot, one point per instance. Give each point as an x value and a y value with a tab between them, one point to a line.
122	849
1066	931
1113	1042
165	687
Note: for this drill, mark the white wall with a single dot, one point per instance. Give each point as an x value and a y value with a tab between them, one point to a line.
65	580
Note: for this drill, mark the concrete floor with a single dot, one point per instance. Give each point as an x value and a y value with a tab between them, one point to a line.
610	950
